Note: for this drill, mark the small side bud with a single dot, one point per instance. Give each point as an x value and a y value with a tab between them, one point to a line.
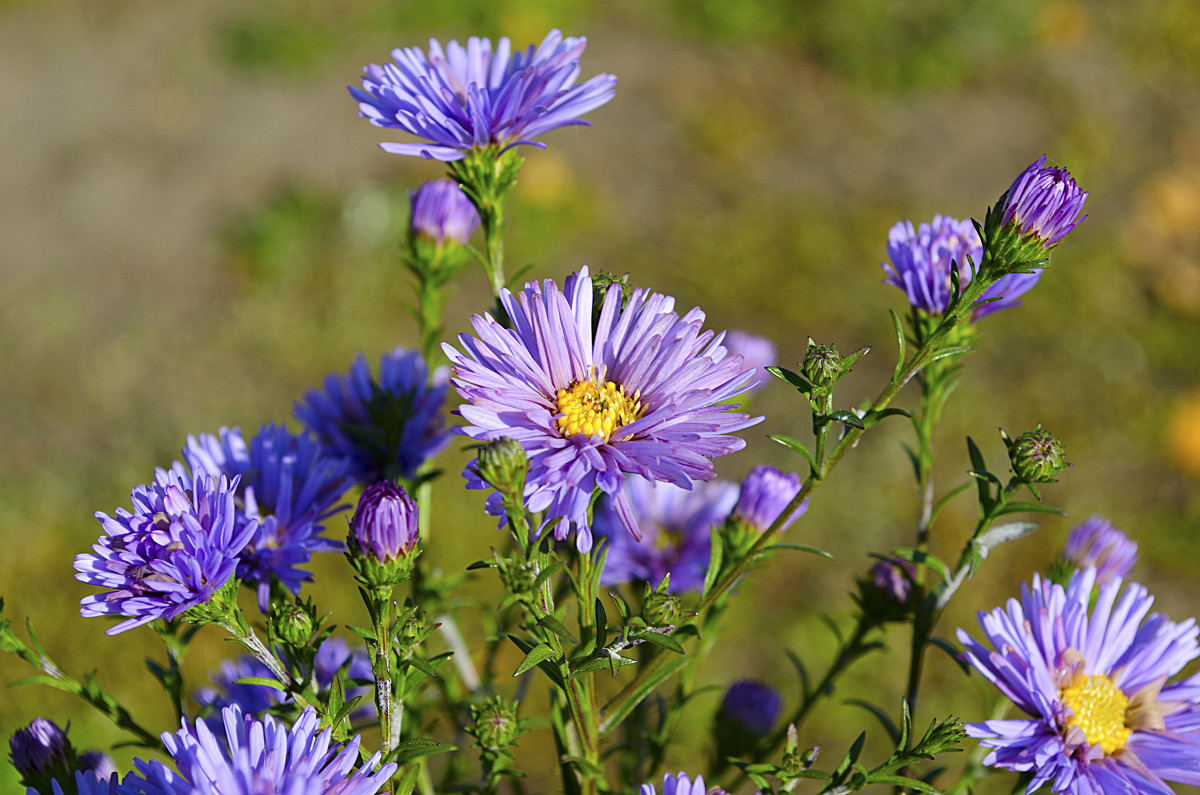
41	752
662	609
748	713
1037	456
886	593
442	213
495	724
293	623
822	364
501	463
383	541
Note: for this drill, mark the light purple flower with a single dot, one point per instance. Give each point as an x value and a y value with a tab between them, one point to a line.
471	97
1044	202
1101	716
676	527
289	486
257	756
385	522
681	785
757	354
1099	545
180	545
388	427
764	495
441	211
922	258
640	393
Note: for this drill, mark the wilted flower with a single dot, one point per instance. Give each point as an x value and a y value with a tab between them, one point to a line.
1101	717
289	486
179	546
1044	202
471	97
676	527
641	393
387	427
922	259
258	755
758	353
442	212
1097	544
682	785
765	493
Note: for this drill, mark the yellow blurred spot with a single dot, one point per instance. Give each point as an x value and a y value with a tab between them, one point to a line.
1183	436
546	179
1062	24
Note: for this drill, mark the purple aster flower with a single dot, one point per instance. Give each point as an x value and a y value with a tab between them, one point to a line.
442	212
257	756
1101	717
1099	545
332	656
641	393
1044	202
38	747
757	354
676	527
86	783
750	707
385	522
892	579
180	545
764	495
98	763
289	486
922	258
388	427
471	98
681	785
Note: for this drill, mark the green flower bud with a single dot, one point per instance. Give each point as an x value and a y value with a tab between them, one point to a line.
410	627
291	623
662	609
495	723
822	364
1037	457
518	577
502	465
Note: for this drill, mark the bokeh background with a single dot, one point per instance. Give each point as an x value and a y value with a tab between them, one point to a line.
195	227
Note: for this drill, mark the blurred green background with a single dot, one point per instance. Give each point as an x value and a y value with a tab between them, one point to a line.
196	227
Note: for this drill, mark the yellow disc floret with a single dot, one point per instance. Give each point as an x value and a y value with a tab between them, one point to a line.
593	409
1098	708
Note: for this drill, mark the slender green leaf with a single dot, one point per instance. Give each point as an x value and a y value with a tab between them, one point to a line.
795	446
800	548
899	344
848	418
539	653
902	781
260	680
794	380
884	719
1031	507
666	641
552	624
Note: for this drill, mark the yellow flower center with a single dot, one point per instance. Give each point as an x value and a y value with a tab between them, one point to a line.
1098	708
595	410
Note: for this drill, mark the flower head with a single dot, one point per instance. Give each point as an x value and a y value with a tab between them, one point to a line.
38	747
758	353
750	707
640	392
764	495
1099	545
923	257
388	427
1101	716
87	782
180	544
886	593
681	785
472	97
676	527
257	756
1044	202
442	212
383	534
289	486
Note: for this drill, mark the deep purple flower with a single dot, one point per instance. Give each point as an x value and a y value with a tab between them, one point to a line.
750	707
86	783
388	427
892	579
180	545
1101	717
640	393
681	785
1044	202
289	486
757	354
922	258
676	527
469	97
385	522
764	495
331	657
38	747
442	212
258	756
1099	545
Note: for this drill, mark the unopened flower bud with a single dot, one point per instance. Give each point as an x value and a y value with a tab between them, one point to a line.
1044	202
1097	544
410	627
501	464
766	493
750	707
98	763
292	623
662	609
885	594
39	747
384	541
442	212
495	723
1037	456
518	576
822	364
